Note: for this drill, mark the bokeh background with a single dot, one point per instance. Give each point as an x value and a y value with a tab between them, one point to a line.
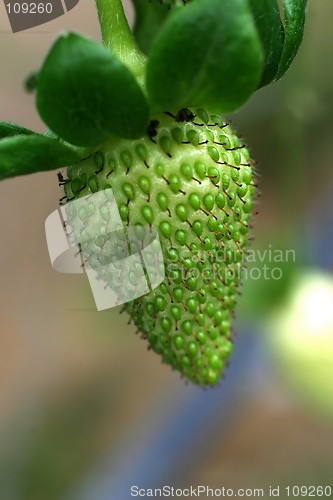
85	410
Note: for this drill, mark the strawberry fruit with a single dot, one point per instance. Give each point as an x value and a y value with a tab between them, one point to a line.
191	179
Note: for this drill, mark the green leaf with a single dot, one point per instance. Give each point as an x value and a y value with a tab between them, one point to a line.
26	154
149	18
85	93
207	54
294	20
268	21
8	129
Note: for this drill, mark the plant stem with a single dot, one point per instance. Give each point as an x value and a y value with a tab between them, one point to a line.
118	37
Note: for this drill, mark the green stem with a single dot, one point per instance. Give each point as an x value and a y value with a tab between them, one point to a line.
117	36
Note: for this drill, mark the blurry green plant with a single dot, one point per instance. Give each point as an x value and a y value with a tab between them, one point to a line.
300	334
152	98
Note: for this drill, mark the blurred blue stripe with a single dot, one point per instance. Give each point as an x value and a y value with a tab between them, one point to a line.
156	452
320	237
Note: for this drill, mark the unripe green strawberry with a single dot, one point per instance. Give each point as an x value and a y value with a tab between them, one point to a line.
191	179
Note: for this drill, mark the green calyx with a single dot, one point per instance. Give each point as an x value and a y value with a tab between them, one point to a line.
210	54
118	37
192	180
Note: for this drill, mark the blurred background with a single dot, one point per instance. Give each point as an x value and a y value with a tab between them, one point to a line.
85	410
